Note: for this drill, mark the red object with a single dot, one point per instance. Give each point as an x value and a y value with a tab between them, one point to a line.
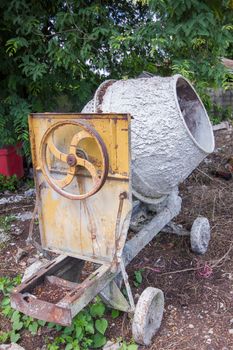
11	162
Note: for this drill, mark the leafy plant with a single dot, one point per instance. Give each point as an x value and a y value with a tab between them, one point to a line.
30	183
115	313
52	60
87	330
138	277
5	222
129	346
219	114
9	183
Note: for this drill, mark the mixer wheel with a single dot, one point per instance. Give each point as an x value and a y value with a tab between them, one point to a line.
200	235
148	315
73	159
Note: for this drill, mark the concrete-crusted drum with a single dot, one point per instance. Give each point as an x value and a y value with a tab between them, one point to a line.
171	131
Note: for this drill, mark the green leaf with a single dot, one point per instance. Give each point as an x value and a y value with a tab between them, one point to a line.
69	347
68	330
33	327
99	340
7	311
78	332
16	316
138	276
101	325
58	327
41	322
132	347
3	337
51	325
5	301
68	339
14	337
89	328
97	309
115	313
17	325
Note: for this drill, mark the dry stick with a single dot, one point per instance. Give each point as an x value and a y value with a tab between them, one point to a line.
213	179
14	208
223	257
178	271
151	268
213	212
198	268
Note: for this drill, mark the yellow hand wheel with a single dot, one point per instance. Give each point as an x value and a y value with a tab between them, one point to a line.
73	159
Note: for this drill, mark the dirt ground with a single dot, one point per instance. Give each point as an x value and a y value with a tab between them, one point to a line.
198	289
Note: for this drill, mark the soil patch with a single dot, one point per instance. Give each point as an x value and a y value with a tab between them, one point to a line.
50	292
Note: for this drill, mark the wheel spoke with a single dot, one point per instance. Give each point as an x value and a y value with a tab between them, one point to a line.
89	166
67	180
76	139
53	149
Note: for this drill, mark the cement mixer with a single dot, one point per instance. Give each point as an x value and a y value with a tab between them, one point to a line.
115	166
171	132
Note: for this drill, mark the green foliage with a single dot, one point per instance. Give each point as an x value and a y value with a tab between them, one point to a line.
219	114
129	346
56	51
18	320
115	313
9	183
5	223
186	36
29	183
138	277
54	54
87	330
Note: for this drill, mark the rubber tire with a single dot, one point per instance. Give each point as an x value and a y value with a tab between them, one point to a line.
148	315
200	235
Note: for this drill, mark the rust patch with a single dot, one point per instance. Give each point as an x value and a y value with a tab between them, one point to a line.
100	94
42	310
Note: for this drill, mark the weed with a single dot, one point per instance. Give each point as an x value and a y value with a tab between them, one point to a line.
5	222
87	330
9	183
219	114
129	346
30	183
138	277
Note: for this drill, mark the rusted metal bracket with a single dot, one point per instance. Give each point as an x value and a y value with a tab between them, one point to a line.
65	272
59	273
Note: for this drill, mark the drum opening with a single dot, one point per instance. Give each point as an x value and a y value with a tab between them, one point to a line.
194	115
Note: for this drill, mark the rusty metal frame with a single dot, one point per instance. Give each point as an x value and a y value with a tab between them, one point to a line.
77	298
106	279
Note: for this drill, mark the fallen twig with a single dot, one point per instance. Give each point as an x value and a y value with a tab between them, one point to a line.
223	257
212	178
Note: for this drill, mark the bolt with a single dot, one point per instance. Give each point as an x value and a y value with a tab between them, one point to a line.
71	160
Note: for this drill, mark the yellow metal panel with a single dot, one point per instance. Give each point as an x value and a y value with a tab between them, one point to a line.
90	228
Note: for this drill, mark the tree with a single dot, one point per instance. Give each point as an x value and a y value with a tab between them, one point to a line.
54	54
186	36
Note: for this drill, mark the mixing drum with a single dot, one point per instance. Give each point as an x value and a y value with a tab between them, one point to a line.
170	132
